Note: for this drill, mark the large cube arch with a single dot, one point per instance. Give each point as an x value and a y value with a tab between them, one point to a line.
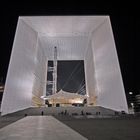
88	38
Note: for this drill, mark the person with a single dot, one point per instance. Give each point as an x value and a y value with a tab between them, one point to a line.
42	113
65	113
62	113
82	113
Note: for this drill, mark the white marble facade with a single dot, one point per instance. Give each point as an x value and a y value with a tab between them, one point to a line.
88	38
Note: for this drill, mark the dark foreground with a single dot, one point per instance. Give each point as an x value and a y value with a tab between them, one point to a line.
117	128
105	129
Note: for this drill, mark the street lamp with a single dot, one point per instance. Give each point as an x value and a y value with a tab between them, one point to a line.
130	93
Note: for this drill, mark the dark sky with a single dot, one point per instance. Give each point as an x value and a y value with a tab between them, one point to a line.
70	77
123	19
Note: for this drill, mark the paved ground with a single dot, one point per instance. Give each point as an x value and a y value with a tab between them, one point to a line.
117	128
105	129
4	121
39	128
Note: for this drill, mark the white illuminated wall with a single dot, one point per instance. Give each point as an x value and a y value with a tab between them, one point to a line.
108	76
40	75
20	77
90	76
87	38
69	47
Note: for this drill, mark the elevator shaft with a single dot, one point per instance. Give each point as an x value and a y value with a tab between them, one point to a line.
55	71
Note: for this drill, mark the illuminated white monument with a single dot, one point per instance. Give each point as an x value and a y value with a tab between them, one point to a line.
88	38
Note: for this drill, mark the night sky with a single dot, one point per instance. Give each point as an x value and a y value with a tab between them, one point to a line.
123	19
70	77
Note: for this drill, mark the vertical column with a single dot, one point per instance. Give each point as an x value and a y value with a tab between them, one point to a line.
55	71
19	82
111	91
91	83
